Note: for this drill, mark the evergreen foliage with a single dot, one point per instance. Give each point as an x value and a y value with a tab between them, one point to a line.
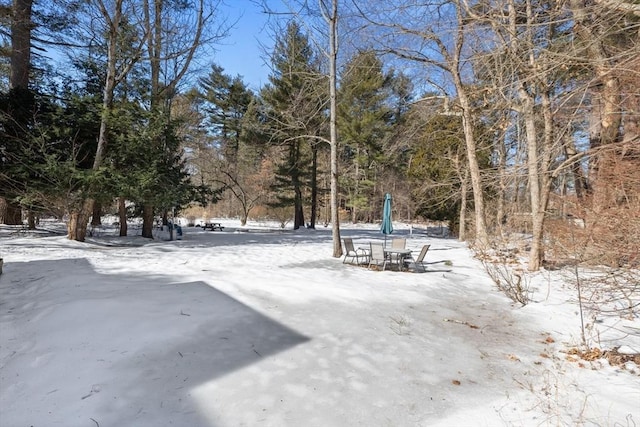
364	124
228	99
435	182
295	102
48	160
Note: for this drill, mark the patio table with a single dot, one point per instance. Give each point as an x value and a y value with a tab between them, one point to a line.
397	255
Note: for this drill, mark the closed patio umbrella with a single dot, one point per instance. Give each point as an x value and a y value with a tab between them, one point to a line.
387	226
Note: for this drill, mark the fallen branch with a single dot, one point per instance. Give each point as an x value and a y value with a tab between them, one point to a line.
461	322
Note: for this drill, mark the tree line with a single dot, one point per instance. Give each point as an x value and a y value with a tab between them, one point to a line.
497	117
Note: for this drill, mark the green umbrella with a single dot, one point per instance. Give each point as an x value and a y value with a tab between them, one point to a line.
387	226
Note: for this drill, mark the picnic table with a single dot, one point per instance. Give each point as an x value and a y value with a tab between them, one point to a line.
213	226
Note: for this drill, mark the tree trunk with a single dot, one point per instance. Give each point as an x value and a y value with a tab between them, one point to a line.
356	186
31	220
580	184
19	80
462	228
298	218
122	215
10	213
314	186
331	17
110	79
78	221
502	183
607	110
294	159
96	215
482	236
20	44
147	221
535	254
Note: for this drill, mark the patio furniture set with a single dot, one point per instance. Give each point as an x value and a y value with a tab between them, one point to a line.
381	255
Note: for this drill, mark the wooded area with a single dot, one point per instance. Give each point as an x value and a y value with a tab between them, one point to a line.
510	118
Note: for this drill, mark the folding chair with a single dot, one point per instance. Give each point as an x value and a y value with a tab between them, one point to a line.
418	262
377	255
352	253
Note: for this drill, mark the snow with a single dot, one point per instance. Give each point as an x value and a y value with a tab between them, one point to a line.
262	326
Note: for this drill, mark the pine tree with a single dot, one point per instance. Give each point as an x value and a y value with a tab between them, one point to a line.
295	110
227	101
363	123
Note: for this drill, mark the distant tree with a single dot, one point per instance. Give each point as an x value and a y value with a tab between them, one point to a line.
294	106
232	154
363	121
438	144
227	100
254	160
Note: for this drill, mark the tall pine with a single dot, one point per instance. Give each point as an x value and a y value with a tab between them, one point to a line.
363	122
295	100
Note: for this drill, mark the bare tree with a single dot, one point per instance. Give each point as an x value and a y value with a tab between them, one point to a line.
521	43
330	14
437	45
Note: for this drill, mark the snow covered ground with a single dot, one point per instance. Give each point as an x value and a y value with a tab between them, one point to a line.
261	326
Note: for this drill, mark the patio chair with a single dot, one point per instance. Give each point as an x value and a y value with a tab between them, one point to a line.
353	253
397	243
377	255
418	262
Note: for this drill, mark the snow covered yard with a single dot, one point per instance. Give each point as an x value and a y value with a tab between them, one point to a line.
264	327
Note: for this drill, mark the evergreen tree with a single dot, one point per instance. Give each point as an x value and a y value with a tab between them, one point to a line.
434	179
364	123
234	154
227	101
295	108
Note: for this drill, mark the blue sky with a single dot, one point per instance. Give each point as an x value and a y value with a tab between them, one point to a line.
241	53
